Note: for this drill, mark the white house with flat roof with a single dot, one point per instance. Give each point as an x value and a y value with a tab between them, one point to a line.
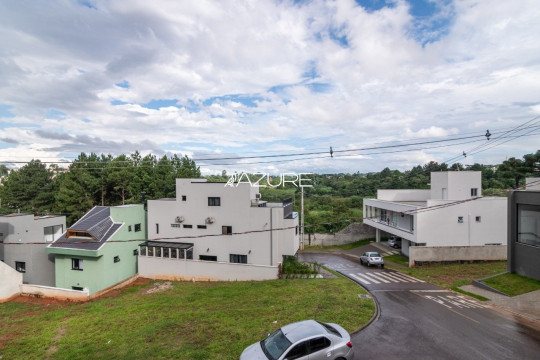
217	231
451	214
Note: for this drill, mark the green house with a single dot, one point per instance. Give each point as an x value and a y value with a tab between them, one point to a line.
99	250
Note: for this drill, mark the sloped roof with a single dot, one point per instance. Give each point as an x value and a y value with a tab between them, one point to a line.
97	222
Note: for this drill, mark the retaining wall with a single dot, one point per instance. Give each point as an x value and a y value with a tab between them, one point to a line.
419	254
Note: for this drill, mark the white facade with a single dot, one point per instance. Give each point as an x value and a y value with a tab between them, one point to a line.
215	223
451	213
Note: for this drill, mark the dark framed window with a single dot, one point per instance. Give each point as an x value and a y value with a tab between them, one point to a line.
201	226
460	219
76	264
474	191
478	219
78	288
117	259
238	259
297	351
157	228
176	225
226	230
20	266
184	197
137	227
129	227
214	201
208	257
528	225
318	344
135	252
186	226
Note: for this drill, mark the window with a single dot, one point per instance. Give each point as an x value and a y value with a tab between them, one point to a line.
238	259
186	226
528	225
20	266
184	197
1	238
208	257
52	233
129	227
117	259
135	252
478	219
474	191
176	225
214	201
157	228
78	288
460	219
226	230
318	344
137	227
201	226
76	264
297	351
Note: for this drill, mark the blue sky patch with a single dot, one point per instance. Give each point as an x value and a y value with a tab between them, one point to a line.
246	100
124	84
5	111
55	114
118	102
160	103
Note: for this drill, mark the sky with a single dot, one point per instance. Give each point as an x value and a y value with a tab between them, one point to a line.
271	86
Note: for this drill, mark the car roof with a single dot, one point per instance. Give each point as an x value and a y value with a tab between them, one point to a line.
302	329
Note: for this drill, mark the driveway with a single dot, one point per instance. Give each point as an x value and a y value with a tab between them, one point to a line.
420	320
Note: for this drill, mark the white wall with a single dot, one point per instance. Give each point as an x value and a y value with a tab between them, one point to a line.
10	282
403	195
457	183
440	227
261	246
195	270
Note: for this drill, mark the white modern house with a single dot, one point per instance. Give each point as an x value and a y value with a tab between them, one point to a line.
217	231
23	240
449	222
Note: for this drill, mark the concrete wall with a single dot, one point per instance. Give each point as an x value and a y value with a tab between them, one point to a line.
403	195
195	270
24	241
441	226
532	184
53	292
353	232
458	184
456	253
10	282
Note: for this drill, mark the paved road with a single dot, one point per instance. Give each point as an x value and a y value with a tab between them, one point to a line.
418	320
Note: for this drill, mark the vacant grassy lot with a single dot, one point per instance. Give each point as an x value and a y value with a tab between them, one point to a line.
449	276
513	284
180	321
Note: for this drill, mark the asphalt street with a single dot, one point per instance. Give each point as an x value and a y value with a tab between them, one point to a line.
420	320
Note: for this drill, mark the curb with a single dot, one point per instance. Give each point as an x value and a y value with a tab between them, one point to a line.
482	285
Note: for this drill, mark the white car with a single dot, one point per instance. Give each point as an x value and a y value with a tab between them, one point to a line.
372	258
395	242
303	340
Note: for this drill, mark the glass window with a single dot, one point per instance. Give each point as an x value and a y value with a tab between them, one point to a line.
297	351
117	259
157	228
460	219
318	344
52	233
214	201
184	197
188	226
137	227
76	264
226	230
208	257
239	259
275	345
474	191
528	225
201	226
20	266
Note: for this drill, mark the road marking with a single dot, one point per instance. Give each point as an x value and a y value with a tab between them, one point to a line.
359	279
368	278
388	277
396	279
377	277
407	277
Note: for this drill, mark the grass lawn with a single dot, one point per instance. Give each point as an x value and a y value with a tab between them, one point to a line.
513	284
202	320
450	276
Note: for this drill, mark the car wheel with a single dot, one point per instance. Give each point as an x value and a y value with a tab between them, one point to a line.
382	266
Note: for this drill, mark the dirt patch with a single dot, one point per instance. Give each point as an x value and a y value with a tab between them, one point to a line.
159	286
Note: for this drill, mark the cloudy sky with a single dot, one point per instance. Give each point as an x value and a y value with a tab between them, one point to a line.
271	86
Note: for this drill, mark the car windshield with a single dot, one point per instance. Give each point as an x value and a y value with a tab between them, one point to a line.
275	345
374	255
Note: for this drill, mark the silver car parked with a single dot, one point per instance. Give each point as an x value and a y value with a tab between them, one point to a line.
372	258
308	339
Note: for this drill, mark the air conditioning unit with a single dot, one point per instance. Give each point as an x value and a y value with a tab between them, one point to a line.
179	219
210	220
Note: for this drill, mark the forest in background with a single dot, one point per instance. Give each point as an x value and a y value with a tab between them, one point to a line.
332	203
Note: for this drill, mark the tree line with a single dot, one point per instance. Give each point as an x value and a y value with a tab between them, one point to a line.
92	180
